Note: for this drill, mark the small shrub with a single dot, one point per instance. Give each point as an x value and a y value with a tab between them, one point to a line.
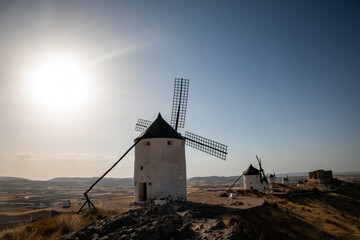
17	235
96	213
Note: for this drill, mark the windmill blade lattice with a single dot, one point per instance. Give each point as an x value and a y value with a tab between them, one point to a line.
206	145
262	172
180	98
142	124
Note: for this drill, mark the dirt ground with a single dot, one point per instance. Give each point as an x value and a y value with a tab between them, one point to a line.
213	198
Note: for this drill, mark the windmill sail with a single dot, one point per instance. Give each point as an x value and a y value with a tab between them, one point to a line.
262	172
178	114
206	145
180	98
142	124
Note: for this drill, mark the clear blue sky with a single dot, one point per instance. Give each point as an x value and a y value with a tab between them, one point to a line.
275	78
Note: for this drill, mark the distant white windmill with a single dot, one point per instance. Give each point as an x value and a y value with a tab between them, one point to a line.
253	178
272	178
285	180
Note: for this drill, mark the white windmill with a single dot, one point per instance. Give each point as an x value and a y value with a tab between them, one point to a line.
285	180
160	166
253	178
272	178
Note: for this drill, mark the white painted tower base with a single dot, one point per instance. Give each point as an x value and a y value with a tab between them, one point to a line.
252	182
160	170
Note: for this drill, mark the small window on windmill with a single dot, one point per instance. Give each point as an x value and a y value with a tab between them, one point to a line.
146	143
141	167
149	183
170	143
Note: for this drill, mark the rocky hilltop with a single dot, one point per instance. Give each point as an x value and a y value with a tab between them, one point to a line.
169	221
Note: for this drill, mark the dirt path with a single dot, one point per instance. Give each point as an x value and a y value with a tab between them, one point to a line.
213	198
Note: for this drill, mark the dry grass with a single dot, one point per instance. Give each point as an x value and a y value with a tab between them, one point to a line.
276	220
336	213
283	188
53	227
313	215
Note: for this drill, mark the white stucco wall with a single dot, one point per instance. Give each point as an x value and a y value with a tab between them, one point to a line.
252	182
162	167
271	180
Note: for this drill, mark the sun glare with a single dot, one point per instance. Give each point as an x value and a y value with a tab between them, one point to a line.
59	83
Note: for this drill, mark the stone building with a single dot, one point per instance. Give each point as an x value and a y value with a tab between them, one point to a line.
321	176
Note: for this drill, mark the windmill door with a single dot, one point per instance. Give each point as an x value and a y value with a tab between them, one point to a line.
142	192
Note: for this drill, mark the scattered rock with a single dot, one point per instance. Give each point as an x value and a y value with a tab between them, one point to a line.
152	222
218	225
200	226
238	203
168	221
181	208
95	236
224	195
186	231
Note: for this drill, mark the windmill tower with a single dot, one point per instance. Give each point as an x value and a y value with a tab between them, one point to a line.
272	178
160	165
285	180
160	168
252	178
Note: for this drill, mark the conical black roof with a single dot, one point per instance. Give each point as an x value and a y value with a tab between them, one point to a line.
159	129
251	171
271	175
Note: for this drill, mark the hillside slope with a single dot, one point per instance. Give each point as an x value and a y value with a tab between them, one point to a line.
315	215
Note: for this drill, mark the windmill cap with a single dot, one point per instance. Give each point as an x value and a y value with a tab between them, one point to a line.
251	171
159	129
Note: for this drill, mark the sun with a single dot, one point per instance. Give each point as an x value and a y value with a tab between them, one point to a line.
59	83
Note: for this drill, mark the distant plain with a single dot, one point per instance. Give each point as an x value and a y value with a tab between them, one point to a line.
23	201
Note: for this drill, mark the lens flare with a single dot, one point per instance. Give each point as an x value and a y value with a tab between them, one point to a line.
59	83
